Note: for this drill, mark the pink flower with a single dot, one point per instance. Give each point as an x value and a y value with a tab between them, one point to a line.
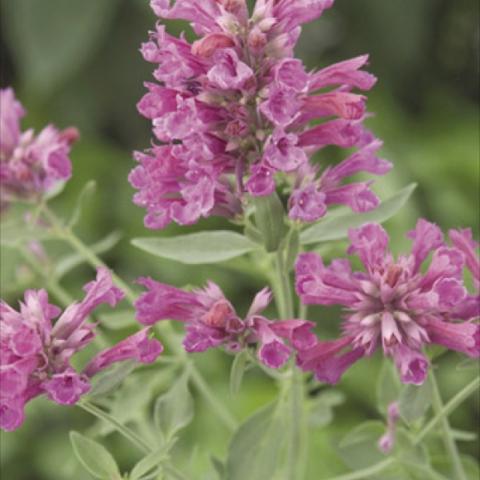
387	441
233	110
211	321
393	305
310	200
35	354
30	166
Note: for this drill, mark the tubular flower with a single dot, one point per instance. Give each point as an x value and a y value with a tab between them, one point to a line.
35	354
393	304
231	112
211	321
30	166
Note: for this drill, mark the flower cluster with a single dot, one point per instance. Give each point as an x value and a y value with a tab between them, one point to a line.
30	165
35	355
231	115
394	304
211	321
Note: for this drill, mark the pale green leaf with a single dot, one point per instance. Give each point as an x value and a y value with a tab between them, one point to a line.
149	462
358	449
321	407
109	379
94	457
174	410
415	401
87	191
269	220
388	387
335	227
239	365
197	248
255	452
69	262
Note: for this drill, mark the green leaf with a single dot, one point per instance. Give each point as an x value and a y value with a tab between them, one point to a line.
174	409
109	379
358	449
94	457
86	192
415	401
197	248
149	462
239	365
219	467
321	409
69	262
269	219
118	320
388	387
48	51
15	232
256	447
335	227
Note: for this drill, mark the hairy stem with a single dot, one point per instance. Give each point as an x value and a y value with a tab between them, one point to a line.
447	436
69	236
448	408
120	428
298	434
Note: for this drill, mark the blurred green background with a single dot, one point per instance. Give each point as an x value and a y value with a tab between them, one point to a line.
77	63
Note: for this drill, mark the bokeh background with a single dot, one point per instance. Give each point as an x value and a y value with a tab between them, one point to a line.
77	63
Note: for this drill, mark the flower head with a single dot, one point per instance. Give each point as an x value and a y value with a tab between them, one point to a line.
394	304
211	321
35	353
30	166
233	110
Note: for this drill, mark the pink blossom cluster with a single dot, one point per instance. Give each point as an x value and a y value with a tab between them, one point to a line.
35	354
211	321
30	165
399	305
231	115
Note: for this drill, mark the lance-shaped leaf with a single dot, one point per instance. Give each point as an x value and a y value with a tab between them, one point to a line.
256	448
239	365
270	220
197	248
415	401
149	462
86	192
174	409
108	380
335	227
94	457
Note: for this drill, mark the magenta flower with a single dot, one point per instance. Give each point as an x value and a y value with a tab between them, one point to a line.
211	321
394	304
35	354
233	110
30	166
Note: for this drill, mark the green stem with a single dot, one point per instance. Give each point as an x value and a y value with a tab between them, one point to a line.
122	429
298	428
284	295
449	407
367	472
69	236
448	439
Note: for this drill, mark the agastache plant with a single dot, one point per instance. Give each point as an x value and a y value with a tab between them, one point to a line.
237	123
